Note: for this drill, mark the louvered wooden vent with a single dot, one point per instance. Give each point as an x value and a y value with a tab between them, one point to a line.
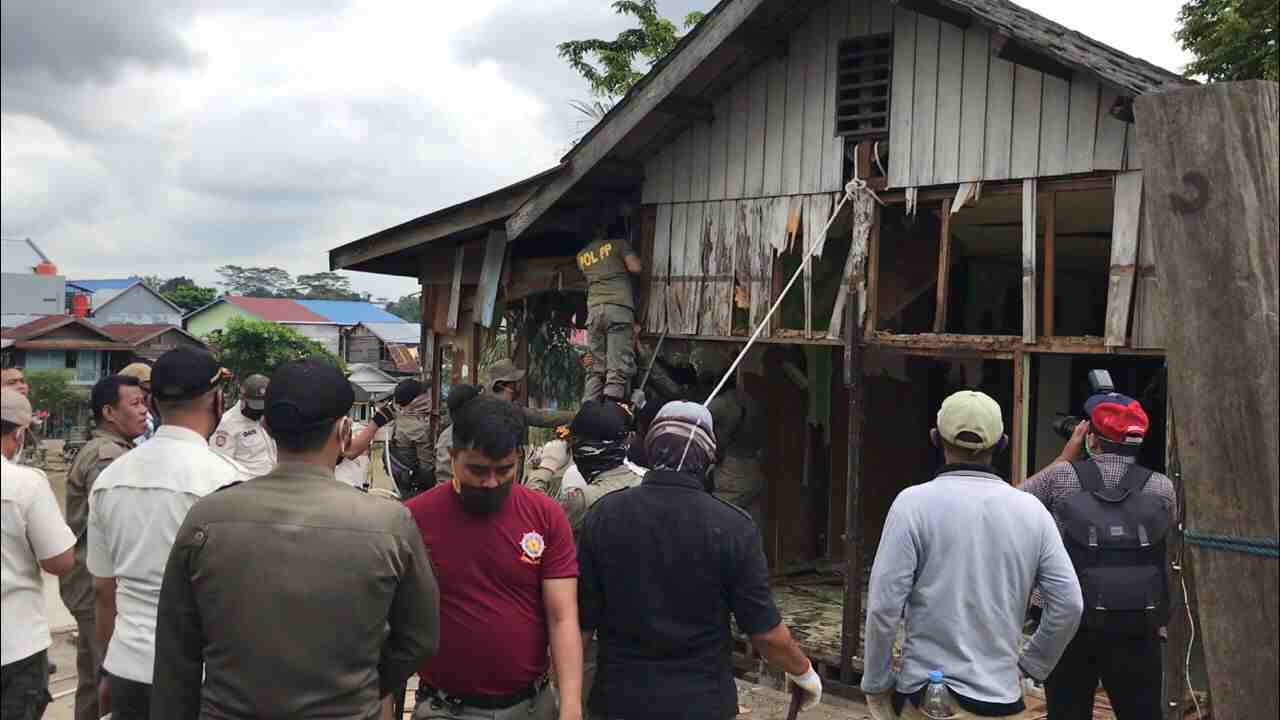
862	94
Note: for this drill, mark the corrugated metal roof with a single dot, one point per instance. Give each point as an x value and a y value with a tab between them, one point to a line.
350	312
276	309
395	332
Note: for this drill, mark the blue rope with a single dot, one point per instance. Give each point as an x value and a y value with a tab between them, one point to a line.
1262	547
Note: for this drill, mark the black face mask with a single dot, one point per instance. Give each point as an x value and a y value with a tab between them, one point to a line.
484	500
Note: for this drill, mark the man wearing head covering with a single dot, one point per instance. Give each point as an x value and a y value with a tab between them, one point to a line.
240	437
503	380
663	565
960	554
343	598
29	454
1121	646
135	509
120	417
411	453
142	372
33	537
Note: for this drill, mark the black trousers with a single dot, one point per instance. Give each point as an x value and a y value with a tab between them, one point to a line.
130	700
1128	666
24	687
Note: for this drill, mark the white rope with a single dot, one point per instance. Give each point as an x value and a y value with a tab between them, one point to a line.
1186	666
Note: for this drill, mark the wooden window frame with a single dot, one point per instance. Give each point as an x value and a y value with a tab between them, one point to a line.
858	117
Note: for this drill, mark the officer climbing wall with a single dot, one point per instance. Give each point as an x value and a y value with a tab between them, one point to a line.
609	262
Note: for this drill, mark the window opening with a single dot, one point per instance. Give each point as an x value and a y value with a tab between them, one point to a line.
864	65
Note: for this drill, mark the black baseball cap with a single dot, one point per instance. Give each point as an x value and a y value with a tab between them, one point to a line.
407	390
306	394
599	420
185	373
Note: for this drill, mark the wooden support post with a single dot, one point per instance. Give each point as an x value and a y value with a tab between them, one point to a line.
1124	255
1211	165
851	625
437	388
944	268
873	274
1029	261
1179	629
1049	210
455	289
1018	424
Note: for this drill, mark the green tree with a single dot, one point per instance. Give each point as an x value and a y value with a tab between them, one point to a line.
52	391
249	346
326	286
256	281
190	297
1231	39
407	308
610	65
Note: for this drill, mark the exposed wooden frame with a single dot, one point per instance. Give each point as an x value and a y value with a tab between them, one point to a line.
956	343
1125	225
1019	421
1049	210
495	250
944	268
1093	181
855	383
873	275
1029	261
455	288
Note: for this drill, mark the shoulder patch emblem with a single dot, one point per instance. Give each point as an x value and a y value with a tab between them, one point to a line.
220	439
532	546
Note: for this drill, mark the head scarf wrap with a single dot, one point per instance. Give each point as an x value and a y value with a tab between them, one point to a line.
681	438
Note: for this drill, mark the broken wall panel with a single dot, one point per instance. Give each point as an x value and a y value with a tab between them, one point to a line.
659	286
719	236
1124	255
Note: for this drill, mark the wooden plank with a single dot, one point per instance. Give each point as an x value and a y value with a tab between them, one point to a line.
717	157
773	214
659	290
1082	125
1131	157
858	18
736	167
455	290
1055	106
666	80
648	189
1049	211
1029	261
902	92
951	75
717	289
1108	146
793	142
883	16
873	274
1018	425
693	264
973	103
924	101
997	146
817	211
775	126
495	249
853	287
680	286
944	269
1024	153
757	117
833	158
1210	157
815	106
699	169
663	180
1124	255
1149	307
681	165
738	218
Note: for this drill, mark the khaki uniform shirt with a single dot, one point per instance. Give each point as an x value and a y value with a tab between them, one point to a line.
576	501
414	431
245	443
294	596
608	281
103	447
535	417
739	423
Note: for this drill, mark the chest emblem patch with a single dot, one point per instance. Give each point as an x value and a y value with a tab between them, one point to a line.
220	439
532	546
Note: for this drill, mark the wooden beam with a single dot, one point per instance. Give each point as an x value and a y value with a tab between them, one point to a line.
953	342
855	383
643	100
1018	420
1179	629
1099	181
1049	209
853	286
495	249
873	275
455	289
1029	261
944	268
1124	255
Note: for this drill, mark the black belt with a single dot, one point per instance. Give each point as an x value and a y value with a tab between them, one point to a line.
484	702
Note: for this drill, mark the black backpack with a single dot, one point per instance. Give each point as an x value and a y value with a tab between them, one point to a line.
1116	539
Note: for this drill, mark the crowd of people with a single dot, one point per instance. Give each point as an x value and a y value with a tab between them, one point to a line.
223	568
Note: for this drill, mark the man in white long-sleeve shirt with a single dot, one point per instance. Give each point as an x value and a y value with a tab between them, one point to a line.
958	558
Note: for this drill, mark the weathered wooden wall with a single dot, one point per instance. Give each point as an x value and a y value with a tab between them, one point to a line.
959	114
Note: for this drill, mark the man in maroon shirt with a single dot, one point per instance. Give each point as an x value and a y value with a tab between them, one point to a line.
505	561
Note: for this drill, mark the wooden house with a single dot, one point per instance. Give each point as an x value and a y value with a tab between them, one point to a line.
996	246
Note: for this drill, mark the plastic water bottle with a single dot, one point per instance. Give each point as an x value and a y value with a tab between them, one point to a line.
938	703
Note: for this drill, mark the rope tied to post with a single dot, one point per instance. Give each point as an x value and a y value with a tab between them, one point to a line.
1268	547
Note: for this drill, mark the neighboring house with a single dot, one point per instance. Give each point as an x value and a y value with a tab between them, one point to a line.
128	301
149	342
372	385
30	295
61	342
392	346
319	320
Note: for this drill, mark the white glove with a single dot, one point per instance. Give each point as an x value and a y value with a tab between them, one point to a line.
555	456
881	706
810	684
637	399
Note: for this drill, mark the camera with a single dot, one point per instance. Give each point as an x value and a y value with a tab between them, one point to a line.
1099	382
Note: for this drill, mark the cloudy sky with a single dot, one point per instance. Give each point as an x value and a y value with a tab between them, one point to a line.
169	137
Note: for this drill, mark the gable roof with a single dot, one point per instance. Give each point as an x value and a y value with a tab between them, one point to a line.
103	298
350	312
31	336
395	332
279	310
139	334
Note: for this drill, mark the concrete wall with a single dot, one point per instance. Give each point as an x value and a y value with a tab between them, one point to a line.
30	294
137	306
213	318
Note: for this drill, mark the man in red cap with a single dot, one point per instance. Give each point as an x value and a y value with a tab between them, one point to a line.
1114	516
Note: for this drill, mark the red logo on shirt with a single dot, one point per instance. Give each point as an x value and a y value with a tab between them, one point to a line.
531	547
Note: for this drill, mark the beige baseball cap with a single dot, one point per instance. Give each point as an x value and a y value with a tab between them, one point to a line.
973	412
15	408
503	371
139	370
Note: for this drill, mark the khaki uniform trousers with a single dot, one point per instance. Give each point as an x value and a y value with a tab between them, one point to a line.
740	481
611	329
89	655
